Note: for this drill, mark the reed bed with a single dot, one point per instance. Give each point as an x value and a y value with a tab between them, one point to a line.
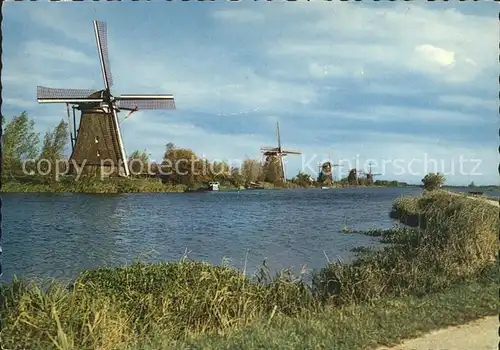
90	185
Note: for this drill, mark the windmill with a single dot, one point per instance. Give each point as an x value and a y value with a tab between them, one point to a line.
276	154
325	169
353	176
369	175
97	143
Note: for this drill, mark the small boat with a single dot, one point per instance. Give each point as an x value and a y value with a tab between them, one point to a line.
254	186
325	187
213	186
476	193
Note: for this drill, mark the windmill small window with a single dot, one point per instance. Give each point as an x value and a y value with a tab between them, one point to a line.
98	154
96	140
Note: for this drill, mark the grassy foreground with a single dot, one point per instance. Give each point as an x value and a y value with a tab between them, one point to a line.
442	274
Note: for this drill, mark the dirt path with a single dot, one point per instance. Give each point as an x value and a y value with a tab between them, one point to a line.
481	334
490	201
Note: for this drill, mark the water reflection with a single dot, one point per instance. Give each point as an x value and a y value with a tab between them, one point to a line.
61	235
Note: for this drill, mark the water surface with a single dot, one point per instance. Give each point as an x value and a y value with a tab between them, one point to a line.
59	235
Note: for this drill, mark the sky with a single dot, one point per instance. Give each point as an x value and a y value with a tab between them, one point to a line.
410	87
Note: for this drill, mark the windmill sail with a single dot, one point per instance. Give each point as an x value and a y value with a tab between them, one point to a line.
145	102
54	95
101	36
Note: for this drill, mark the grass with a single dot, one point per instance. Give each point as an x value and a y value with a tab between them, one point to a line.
87	185
355	326
91	184
441	274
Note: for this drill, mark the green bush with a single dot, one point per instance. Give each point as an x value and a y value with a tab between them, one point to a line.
433	181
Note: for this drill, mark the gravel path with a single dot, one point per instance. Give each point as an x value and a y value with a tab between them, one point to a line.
481	334
491	201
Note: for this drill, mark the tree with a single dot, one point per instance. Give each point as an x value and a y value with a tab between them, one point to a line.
272	170
302	179
19	143
237	178
138	162
169	146
54	143
433	181
182	166
251	170
219	171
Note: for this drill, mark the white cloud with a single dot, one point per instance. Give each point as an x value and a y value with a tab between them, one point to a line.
436	54
212	145
56	53
57	19
349	35
238	15
323	71
469	101
18	102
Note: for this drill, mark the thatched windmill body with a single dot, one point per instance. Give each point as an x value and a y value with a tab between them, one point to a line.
325	170
97	143
353	176
276	154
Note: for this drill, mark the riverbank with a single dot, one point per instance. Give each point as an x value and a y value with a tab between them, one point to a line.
41	184
425	279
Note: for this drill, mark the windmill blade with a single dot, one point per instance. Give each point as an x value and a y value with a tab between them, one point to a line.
290	152
54	95
283	169
278	134
101	37
269	149
145	102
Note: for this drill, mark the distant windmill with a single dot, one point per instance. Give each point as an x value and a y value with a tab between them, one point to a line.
97	142
325	168
272	154
369	175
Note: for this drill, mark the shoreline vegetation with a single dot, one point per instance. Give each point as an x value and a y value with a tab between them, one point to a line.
439	271
180	169
153	184
141	184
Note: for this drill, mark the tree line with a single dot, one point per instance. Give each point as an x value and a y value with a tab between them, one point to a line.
20	142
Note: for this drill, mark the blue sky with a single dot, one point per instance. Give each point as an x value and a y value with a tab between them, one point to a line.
394	83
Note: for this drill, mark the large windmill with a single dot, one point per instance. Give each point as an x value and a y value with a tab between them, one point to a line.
276	154
97	143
